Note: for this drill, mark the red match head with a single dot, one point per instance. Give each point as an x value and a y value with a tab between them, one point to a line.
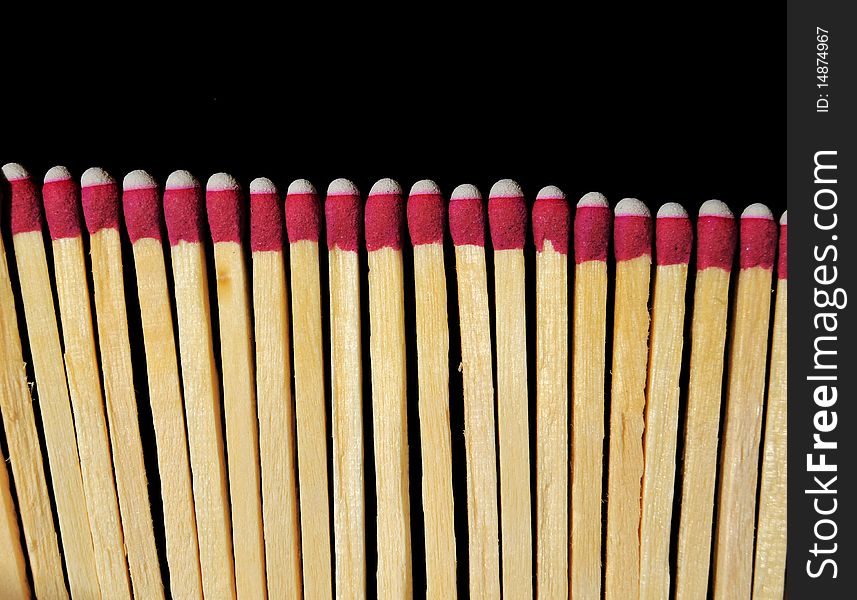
266	217
466	216
24	206
783	256
426	213
673	235
141	205
715	236
225	208
507	215
62	207
384	216
99	195
758	237
632	230
592	221
183	209
342	211
551	220
302	212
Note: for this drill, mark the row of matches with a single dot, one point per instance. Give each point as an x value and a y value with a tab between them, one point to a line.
262	528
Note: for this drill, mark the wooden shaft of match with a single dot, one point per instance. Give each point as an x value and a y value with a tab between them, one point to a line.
659	448
310	418
733	551
587	430
628	400
121	401
433	374
55	407
202	408
552	422
478	421
92	437
708	338
25	454
347	423
239	402
168	418
770	565
276	426
13	572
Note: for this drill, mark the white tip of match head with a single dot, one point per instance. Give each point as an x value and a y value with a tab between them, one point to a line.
181	180
550	192
95	176
342	187
386	187
58	173
138	180
593	200
262	185
714	208
631	207
301	186
425	187
506	188
784	219
757	211
220	182
672	209
466	191
14	171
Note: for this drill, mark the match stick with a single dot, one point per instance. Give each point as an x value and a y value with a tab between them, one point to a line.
507	219
673	242
13	572
551	218
273	393
384	220
142	208
632	239
715	249
25	454
184	215
770	566
426	223
224	204
467	227
62	209
100	199
739	457
51	388
591	237
302	224
343	211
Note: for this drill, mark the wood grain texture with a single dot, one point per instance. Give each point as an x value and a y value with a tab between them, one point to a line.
276	426
13	571
479	436
165	397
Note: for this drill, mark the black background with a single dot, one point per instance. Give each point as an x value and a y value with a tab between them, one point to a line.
664	105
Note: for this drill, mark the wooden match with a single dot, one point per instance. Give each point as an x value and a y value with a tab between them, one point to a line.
13	570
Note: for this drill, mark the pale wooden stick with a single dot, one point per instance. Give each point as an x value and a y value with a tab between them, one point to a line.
632	236
426	220
302	222
467	226
770	565
142	206
273	393
62	209
51	387
224	205
342	209
673	241
591	235
715	251
507	217
183	213
25	454
384	220
739	458
100	198
13	572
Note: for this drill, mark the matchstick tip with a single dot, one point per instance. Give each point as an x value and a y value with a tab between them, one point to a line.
343	210
426	213
300	187
592	221
672	210
593	200
550	192
551	219
262	185
631	207
384	216
632	231
220	182
224	205
673	235
758	237
506	188
386	187
757	211
14	172
342	187
96	176
181	180
466	216
715	208
183	208
25	212
425	187
141	206
466	191
61	200
58	173
784	218
99	196
138	180
507	215
303	216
